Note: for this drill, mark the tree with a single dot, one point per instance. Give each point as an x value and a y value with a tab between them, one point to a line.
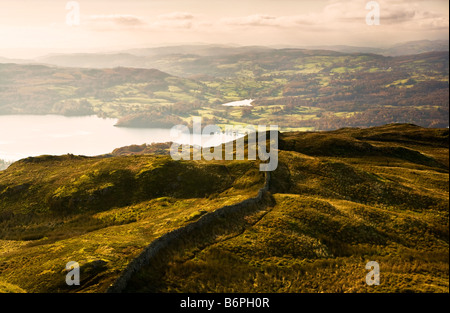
246	112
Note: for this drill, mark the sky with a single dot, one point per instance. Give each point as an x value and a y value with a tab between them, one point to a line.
30	28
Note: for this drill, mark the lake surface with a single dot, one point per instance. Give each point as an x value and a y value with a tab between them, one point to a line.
22	136
241	103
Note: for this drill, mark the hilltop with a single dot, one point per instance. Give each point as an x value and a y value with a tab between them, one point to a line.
331	212
102	212
337	200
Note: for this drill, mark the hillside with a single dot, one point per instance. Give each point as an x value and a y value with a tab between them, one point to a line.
329	214
147	58
399	49
39	89
296	89
336	201
102	212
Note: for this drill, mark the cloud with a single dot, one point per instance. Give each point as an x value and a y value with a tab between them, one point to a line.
251	20
342	15
173	21
171	25
176	16
114	21
402	14
333	21
269	21
349	14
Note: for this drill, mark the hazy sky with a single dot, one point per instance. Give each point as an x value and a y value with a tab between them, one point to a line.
35	27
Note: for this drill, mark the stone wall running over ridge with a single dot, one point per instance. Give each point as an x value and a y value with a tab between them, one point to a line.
151	252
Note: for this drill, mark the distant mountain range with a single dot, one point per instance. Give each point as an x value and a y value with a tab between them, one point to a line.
159	57
406	48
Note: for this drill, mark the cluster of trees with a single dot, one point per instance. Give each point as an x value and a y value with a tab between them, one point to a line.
430	117
149	120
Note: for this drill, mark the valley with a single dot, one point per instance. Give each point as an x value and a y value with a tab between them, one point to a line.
296	89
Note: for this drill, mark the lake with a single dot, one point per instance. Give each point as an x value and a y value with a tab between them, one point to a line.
240	103
22	136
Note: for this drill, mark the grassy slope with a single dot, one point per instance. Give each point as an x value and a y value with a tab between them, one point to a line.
339	199
101	212
381	195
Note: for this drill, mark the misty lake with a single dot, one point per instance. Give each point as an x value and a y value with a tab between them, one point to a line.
22	136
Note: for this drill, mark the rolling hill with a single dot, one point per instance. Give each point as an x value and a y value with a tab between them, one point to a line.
399	49
102	212
331	212
39	89
296	89
147	58
337	200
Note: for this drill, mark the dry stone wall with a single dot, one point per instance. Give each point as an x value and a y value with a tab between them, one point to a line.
165	241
